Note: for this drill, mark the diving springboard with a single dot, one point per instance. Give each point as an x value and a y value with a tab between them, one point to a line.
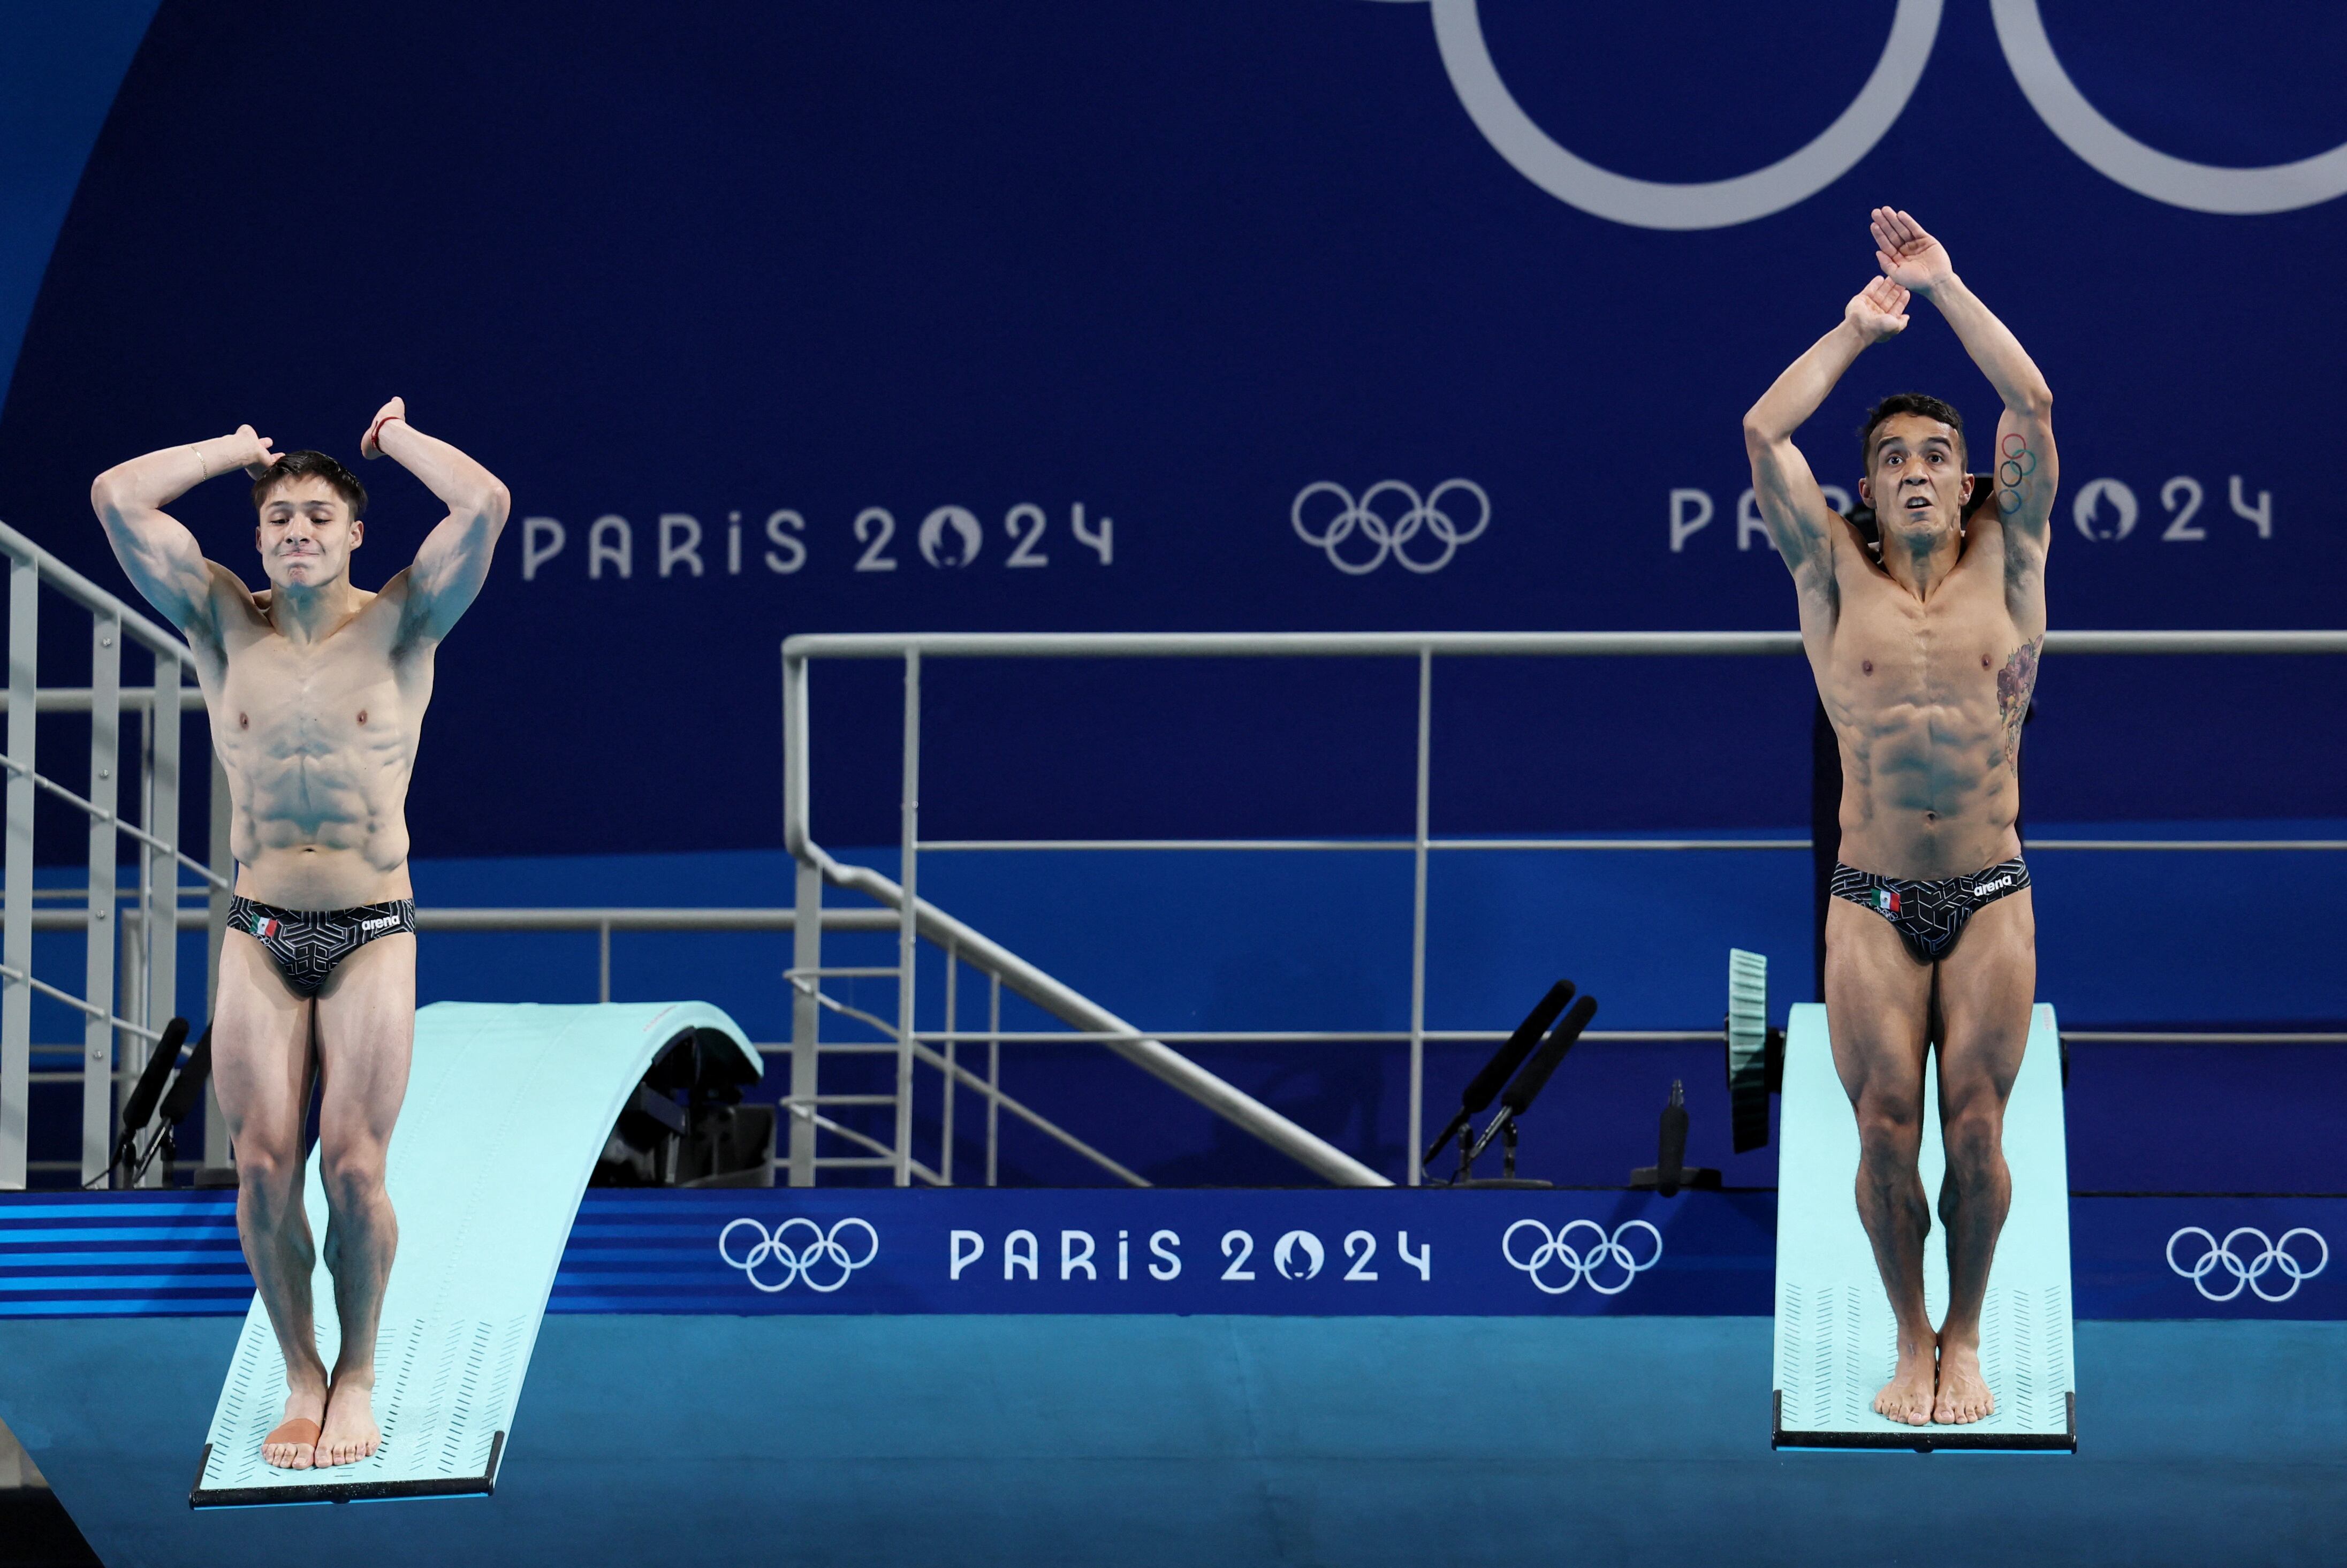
1836	1340
508	1109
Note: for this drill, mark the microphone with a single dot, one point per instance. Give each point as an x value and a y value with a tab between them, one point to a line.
150	1089
1521	1095
190	1084
1485	1085
1670	1157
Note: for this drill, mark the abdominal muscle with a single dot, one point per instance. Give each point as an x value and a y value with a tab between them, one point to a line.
320	826
1927	792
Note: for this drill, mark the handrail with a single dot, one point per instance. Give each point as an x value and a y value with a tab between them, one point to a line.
1094	1022
1065	1002
92	598
78	699
1518	644
140	981
1398	846
483	919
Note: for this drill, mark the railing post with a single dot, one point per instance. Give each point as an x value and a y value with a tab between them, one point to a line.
164	723
807	926
993	1072
97	937
908	950
603	961
16	900
222	860
1417	919
945	1154
806	1017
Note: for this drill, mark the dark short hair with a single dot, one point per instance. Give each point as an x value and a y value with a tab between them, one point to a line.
1909	403
312	465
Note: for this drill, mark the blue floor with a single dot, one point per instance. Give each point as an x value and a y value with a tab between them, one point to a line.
946	1441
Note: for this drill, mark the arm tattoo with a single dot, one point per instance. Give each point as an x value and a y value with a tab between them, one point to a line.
2014	684
2015	464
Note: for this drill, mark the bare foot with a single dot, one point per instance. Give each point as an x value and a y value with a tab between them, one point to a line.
350	1433
1964	1393
1908	1396
289	1445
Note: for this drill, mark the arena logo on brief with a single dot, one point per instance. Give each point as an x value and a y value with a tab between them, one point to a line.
1880	100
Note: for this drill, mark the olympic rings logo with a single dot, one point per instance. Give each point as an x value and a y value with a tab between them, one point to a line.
1719	203
2272	1258
1390	537
1603	1252
822	1251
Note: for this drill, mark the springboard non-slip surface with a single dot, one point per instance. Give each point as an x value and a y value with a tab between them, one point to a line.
1836	1342
506	1109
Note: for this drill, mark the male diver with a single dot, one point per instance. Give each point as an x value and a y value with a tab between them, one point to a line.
316	691
1924	644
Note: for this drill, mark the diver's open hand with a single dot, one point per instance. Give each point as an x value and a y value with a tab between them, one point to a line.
1908	256
1877	312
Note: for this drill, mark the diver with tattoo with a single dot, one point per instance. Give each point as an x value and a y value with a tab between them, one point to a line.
317	691
1924	644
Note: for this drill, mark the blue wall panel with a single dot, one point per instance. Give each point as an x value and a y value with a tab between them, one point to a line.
708	288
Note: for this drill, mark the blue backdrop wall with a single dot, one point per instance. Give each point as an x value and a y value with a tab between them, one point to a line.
914	315
911	315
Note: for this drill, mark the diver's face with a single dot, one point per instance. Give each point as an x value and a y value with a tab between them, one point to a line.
1916	483
306	534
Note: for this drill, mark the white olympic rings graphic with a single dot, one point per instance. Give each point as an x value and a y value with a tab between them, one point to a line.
821	1250
1582	1264
2272	1258
1719	203
1390	537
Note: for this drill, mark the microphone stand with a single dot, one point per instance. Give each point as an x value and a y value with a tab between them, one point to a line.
1518	1099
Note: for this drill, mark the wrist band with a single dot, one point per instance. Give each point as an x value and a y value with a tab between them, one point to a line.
375	431
201	467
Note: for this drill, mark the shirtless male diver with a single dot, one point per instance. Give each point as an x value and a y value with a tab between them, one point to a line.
316	691
1925	655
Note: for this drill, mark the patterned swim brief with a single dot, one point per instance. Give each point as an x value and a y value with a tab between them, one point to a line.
1930	916
306	944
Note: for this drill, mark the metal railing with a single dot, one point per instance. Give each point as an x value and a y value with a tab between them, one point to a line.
130	959
130	973
130	969
1152	1049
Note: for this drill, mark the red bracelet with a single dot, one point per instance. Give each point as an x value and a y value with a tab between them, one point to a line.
375	432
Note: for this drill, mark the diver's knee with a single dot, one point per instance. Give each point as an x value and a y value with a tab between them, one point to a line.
352	1179
1973	1138
1889	1127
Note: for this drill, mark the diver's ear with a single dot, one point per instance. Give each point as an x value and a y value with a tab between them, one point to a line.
358	533
1977	491
1866	493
